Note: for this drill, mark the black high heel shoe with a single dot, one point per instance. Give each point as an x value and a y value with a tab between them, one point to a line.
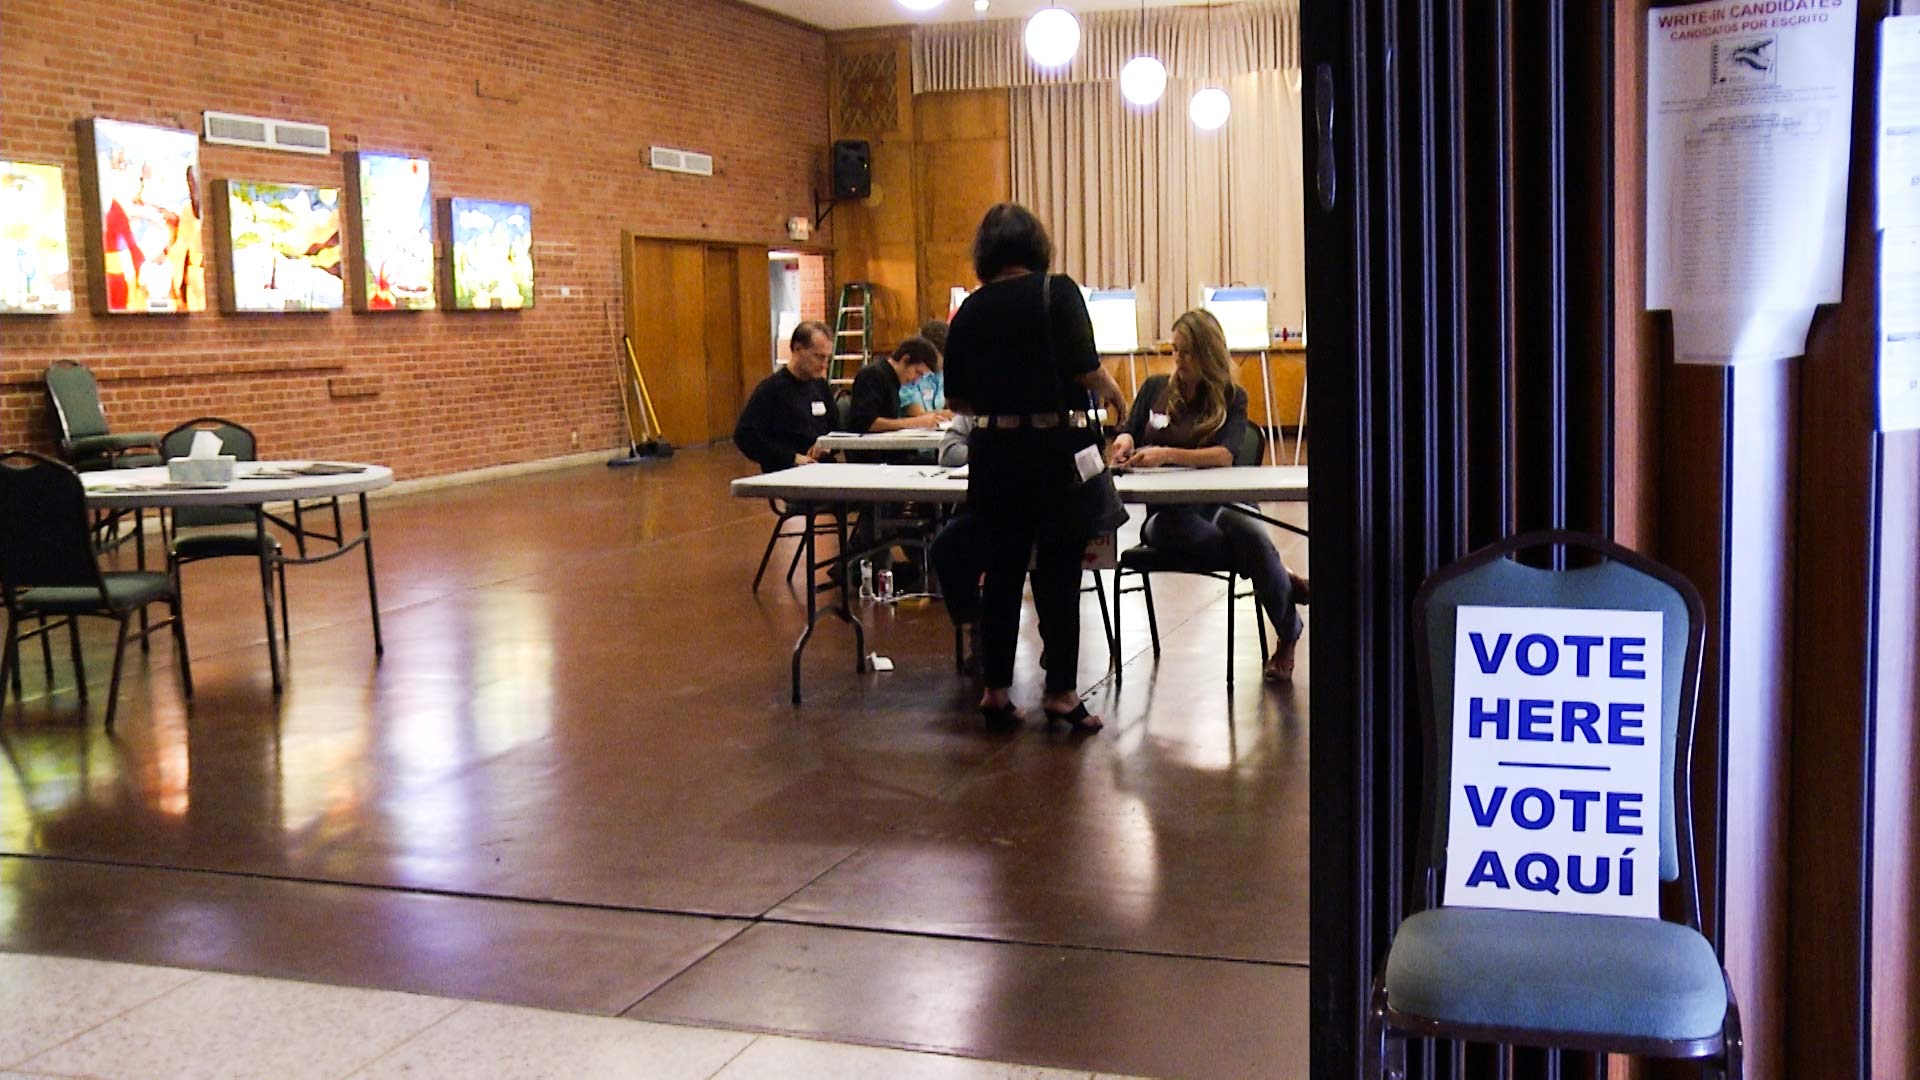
1077	718
1002	717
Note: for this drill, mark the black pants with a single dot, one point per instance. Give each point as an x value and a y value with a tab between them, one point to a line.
1019	510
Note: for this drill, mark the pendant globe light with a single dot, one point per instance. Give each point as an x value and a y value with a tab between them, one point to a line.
1210	106
1052	37
1144	78
920	5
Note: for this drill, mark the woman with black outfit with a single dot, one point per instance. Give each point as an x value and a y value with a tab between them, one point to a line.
1197	418
1020	359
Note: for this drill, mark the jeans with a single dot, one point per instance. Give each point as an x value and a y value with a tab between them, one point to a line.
1230	538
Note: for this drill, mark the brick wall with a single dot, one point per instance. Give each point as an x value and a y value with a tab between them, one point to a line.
551	104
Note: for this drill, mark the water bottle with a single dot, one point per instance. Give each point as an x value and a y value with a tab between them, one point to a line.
866	579
886	585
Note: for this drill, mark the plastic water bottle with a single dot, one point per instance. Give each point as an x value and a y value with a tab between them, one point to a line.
866	579
886	585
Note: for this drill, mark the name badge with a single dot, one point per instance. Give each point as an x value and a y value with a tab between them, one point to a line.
819	408
1157	420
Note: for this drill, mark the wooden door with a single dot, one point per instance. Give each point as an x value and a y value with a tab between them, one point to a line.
720	328
666	286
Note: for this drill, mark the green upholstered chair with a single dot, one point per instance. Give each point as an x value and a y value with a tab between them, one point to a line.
197	533
86	441
48	570
1144	560
1593	983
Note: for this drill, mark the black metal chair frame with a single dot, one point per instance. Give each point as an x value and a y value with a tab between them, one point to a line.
18	600
272	565
1226	574
784	512
1386	1055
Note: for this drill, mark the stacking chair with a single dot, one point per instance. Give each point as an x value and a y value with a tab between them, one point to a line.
1144	560
196	533
48	570
1600	984
86	441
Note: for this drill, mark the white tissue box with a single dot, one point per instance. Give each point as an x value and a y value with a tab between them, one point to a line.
206	470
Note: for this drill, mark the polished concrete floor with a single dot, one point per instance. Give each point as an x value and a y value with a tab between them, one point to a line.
575	782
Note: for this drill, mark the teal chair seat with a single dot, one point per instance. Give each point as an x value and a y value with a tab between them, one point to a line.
126	590
1480	967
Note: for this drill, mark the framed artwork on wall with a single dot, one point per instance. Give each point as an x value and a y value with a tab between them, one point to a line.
36	275
143	218
490	254
391	215
283	247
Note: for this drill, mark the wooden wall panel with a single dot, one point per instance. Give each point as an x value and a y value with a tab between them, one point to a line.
875	238
1896	809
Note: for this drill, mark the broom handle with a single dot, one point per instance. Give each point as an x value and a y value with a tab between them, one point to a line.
626	410
646	399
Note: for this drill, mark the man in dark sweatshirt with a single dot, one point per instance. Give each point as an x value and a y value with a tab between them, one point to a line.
791	408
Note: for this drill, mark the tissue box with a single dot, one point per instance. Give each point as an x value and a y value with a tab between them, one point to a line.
206	470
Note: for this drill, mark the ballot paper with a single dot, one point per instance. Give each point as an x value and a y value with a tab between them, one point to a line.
1749	115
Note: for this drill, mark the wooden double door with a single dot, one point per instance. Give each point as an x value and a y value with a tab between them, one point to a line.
697	313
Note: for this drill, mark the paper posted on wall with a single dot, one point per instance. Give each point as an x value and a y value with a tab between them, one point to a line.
1749	115
1899	376
1898	183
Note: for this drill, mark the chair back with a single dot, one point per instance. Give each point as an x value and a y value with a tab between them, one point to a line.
843	410
76	400
1621	579
1253	444
235	439
45	538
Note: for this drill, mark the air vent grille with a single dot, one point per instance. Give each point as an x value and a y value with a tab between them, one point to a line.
263	133
691	162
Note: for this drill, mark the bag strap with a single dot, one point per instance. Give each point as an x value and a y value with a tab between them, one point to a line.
1065	390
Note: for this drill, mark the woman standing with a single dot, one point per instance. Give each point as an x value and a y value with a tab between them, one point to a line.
1020	359
1198	418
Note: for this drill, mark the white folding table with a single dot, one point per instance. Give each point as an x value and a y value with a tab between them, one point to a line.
834	487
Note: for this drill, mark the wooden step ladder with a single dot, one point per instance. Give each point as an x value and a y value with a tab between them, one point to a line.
852	330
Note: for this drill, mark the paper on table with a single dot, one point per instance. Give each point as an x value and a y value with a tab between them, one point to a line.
1747	145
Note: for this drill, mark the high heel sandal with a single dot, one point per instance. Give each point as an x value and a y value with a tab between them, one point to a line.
1077	718
1002	716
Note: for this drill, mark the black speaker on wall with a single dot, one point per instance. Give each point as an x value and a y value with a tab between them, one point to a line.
852	169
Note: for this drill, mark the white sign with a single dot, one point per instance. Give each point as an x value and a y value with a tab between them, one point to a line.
1749	114
1899	388
1899	150
1242	312
1555	783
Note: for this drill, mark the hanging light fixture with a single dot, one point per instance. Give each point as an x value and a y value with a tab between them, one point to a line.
1144	78
1210	106
1053	36
920	5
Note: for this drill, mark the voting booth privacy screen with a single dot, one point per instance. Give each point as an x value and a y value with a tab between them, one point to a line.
1242	311
1116	320
1555	783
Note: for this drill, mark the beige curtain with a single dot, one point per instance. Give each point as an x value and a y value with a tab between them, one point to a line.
1144	199
1221	41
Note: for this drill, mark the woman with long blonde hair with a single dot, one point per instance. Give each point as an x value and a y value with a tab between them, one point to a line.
1197	417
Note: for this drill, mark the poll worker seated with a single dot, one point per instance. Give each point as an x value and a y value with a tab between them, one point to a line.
876	390
1195	418
929	393
782	422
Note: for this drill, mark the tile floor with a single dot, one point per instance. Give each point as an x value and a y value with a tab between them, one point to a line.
111	1021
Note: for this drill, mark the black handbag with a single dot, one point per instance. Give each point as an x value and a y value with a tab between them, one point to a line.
1095	500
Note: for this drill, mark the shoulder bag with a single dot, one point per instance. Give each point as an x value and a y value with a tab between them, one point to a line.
1094	499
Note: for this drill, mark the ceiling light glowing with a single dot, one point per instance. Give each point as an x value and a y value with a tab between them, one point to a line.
1209	108
921	5
1143	80
1053	36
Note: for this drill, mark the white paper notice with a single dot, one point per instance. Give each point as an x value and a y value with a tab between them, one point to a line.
1900	330
1749	106
1555	781
1899	150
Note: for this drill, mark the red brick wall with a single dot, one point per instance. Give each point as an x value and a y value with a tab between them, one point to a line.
551	104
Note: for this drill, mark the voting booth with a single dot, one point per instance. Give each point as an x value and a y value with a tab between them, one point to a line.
1559	707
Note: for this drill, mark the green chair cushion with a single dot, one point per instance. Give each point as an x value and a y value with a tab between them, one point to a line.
1591	974
125	591
214	543
90	444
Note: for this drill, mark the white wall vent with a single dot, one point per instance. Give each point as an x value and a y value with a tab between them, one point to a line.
263	133
667	159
